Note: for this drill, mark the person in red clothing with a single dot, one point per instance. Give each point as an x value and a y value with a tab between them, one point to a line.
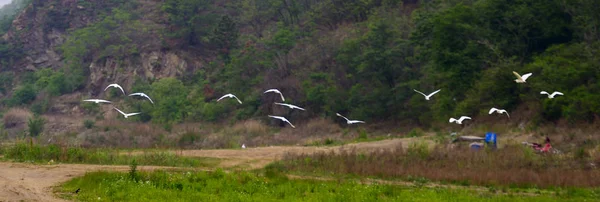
547	146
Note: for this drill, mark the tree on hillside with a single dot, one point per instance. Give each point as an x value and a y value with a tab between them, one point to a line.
225	36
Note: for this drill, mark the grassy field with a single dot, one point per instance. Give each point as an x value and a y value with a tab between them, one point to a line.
264	186
512	166
23	152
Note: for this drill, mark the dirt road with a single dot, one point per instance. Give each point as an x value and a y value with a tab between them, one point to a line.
27	182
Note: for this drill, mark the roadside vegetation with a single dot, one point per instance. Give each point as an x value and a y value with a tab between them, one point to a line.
50	154
511	166
270	185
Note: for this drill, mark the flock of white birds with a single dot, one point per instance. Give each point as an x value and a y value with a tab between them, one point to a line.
291	106
114	85
520	79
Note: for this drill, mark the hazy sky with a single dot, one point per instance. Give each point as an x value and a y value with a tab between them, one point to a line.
3	2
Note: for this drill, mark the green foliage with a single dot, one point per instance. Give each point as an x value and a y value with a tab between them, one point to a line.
24	152
8	13
51	81
415	132
171	101
133	175
573	70
10	52
35	125
88	123
225	36
23	95
248	186
118	35
190	20
6	81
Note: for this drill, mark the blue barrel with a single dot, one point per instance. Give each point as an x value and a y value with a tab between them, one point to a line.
490	139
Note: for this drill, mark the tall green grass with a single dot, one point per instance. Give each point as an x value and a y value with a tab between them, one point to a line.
23	152
246	186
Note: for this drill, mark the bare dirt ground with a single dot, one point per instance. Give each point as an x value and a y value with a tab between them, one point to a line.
28	182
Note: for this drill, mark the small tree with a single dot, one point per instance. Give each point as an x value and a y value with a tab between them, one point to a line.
35	125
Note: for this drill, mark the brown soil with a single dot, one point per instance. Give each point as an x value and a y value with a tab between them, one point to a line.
27	182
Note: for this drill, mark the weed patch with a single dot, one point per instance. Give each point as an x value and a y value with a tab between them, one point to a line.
24	152
259	186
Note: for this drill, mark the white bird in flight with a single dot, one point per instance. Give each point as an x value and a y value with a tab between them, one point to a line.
521	79
142	95
348	121
427	96
290	106
126	115
275	91
460	120
97	101
114	85
230	96
499	111
283	119
552	95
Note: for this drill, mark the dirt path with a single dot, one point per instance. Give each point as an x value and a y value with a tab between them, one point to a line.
27	182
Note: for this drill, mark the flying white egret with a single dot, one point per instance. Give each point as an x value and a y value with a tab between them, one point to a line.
460	120
283	119
499	111
114	85
275	91
230	96
427	96
348	121
142	95
290	106
97	101
521	79
126	115
555	93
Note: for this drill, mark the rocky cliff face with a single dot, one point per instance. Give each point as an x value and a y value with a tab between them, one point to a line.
33	29
45	25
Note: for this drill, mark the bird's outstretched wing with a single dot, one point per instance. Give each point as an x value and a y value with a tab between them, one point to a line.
283	119
133	114
224	96
463	118
452	120
338	114
433	93
276	91
544	92
290	106
506	112
149	98
115	86
556	93
420	92
525	76
237	99
518	76
272	90
356	121
289	123
142	95
121	89
120	111
492	110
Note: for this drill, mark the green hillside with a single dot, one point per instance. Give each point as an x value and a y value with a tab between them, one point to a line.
359	58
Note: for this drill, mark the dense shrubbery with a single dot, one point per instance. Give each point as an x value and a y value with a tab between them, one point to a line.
349	56
25	152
